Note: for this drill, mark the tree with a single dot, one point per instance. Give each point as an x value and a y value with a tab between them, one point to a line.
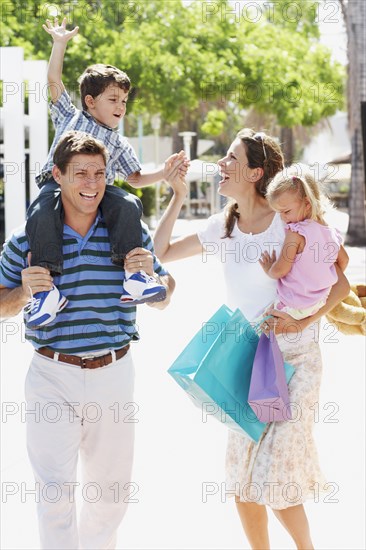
184	61
354	13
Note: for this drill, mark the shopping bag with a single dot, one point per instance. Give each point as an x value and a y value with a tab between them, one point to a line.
268	391
215	370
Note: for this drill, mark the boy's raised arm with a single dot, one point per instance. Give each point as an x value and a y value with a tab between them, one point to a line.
60	39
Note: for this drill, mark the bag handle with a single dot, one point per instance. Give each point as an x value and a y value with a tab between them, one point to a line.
257	326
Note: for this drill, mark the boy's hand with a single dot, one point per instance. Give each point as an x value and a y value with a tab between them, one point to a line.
267	260
59	32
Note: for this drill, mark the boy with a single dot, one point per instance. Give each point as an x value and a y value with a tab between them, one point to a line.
104	93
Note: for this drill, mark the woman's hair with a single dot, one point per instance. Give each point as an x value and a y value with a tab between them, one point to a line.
298	179
262	152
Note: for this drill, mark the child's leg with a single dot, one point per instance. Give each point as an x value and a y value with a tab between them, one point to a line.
44	231
299	314
122	213
44	228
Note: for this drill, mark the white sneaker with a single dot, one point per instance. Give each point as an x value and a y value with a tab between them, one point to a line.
139	288
44	306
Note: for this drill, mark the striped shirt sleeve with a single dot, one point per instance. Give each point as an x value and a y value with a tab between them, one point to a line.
127	162
147	243
13	261
62	109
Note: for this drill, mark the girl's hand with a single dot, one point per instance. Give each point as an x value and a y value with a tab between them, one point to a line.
267	260
59	32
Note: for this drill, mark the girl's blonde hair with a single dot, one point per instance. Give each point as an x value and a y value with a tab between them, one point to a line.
262	151
298	179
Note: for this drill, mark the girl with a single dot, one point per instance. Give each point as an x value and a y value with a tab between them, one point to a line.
305	268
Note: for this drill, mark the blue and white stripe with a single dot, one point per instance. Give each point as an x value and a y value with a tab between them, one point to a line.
94	319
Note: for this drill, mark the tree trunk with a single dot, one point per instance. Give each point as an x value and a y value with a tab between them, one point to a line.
287	145
355	17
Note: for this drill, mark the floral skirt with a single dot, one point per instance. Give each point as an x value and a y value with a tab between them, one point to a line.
282	469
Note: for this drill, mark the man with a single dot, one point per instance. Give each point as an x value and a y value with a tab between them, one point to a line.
81	376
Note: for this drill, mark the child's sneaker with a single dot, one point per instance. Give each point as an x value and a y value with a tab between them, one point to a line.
139	288
44	306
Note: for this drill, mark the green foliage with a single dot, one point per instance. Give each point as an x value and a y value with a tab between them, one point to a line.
146	195
214	123
180	56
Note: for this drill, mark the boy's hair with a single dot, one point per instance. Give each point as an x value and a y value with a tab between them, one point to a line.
298	179
96	78
77	143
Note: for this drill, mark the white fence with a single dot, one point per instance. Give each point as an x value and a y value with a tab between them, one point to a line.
20	77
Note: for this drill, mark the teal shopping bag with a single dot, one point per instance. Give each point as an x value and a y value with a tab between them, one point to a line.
215	370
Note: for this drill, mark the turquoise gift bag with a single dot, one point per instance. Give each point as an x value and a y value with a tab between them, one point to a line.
215	370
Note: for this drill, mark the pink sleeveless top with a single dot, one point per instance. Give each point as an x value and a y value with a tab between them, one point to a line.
313	272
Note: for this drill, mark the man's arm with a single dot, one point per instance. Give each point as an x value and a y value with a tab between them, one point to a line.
169	283
12	300
142	258
60	39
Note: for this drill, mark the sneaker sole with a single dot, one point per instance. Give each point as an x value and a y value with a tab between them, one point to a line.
159	297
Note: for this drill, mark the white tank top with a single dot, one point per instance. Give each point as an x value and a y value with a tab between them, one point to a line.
248	287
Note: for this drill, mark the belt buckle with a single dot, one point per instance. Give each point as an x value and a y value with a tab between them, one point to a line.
85	358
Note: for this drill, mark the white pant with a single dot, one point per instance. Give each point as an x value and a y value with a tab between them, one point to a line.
90	411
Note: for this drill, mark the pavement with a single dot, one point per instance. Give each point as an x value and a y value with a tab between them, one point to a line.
179	499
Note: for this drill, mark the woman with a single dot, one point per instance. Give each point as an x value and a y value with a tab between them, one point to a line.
281	469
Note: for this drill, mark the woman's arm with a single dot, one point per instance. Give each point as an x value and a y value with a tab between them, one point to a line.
285	323
181	248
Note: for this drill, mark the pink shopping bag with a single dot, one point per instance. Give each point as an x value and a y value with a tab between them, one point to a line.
268	391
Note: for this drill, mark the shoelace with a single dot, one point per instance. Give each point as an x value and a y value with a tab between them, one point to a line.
33	302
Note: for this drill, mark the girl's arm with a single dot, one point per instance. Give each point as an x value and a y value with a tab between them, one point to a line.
276	269
181	248
285	323
342	259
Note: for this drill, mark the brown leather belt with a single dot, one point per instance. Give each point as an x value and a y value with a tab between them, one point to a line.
84	362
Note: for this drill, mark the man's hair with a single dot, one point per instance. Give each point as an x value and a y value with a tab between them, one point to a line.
77	143
96	78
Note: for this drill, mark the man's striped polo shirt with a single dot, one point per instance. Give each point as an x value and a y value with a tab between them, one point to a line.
94	319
